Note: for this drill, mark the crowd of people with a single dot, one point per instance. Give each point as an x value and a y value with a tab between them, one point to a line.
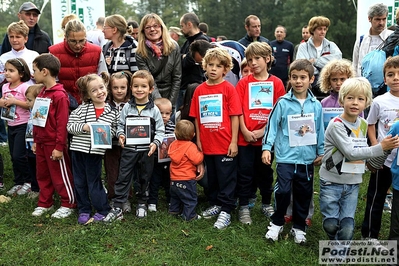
126	95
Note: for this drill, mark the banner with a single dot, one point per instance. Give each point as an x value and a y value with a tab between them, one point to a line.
88	12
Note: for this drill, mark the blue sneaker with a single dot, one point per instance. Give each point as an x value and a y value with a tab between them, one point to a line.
251	203
211	211
83	218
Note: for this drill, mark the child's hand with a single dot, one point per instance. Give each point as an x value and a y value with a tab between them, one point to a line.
233	150
266	157
56	155
86	127
258	133
317	161
201	171
389	142
249	136
153	147
34	148
122	141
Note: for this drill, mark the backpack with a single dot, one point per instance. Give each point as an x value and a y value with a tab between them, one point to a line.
372	68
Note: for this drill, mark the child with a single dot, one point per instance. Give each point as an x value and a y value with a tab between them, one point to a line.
383	113
87	160
50	142
245	68
31	94
216	107
185	157
161	174
137	160
345	141
17	74
295	154
17	33
252	173
119	94
332	76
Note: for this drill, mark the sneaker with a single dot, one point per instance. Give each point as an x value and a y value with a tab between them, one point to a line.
98	217
152	207
224	220
1	185
39	211
251	202
267	210
141	211
14	190
62	212
299	236
287	218
115	214
211	211
24	189
3	144
33	194
308	222
244	215
83	218
127	207
273	231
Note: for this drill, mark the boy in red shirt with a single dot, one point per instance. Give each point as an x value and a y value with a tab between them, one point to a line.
216	107
258	92
185	157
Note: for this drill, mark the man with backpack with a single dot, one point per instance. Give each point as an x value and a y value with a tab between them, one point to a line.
378	33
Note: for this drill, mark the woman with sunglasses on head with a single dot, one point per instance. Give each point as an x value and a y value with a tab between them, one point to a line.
77	56
158	53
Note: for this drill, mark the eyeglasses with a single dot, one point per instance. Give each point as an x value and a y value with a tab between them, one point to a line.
107	27
76	42
155	26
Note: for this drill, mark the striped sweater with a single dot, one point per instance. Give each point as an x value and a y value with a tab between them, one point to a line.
84	114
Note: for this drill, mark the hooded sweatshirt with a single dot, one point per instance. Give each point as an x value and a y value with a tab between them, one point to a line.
185	157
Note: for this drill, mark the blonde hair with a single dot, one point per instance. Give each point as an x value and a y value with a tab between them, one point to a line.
163	102
66	19
119	22
261	49
356	86
74	25
168	44
219	53
144	74
342	66
34	89
184	130
18	27
244	64
316	22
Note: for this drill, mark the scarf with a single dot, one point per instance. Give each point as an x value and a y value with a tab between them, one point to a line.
156	48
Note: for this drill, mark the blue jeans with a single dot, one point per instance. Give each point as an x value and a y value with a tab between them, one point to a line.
3	131
338	204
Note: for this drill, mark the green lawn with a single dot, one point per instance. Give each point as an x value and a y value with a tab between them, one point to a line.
157	240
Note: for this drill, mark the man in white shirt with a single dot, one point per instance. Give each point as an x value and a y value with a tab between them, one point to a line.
377	15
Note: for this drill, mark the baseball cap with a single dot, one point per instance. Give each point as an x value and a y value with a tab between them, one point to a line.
28	6
175	30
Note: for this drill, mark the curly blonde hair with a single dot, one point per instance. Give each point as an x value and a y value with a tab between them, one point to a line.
219	53
342	66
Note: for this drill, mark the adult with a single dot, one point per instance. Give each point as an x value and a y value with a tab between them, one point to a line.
378	33
96	35
283	53
318	49
38	40
192	72
133	29
305	38
253	28
158	53
77	56
175	33
120	51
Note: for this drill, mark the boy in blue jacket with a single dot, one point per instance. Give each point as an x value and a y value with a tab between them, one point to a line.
296	131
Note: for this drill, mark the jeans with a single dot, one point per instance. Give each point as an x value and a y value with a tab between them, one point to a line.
338	204
3	131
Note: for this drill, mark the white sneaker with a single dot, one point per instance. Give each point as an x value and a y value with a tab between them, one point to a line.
299	236
14	189
244	215
127	207
152	207
141	211
62	212
273	231
224	220
26	188
39	211
211	211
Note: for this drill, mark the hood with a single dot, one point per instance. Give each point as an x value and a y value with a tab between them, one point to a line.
129	43
177	151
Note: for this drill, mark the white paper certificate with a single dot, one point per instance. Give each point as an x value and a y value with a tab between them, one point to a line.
40	111
138	130
355	167
211	108
301	130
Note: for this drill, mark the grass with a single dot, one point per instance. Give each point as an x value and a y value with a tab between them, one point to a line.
157	240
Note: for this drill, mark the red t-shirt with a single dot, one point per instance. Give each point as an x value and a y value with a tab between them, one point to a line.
212	106
257	100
